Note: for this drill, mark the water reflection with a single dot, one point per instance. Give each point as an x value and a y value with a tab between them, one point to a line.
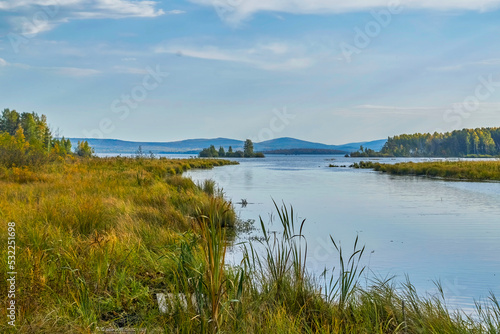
429	229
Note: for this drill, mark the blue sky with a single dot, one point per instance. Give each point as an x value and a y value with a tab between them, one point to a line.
319	70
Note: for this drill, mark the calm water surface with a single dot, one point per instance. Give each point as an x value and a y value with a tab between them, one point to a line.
427	229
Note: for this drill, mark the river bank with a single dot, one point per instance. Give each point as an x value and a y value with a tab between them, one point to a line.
452	170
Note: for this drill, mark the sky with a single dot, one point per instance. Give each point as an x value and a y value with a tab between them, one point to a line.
320	70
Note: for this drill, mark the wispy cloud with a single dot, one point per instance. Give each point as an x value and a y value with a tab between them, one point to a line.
117	9
235	11
64	71
175	12
129	70
458	67
378	107
123	8
24	12
71	71
269	56
368	110
494	61
377	110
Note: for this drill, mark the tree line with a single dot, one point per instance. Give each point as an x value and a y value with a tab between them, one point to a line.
479	142
248	152
26	139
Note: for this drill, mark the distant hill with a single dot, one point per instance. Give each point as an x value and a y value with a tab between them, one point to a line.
194	146
375	145
190	146
287	143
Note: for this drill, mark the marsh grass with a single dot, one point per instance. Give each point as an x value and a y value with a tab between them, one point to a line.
457	170
283	262
209	187
214	246
90	238
342	287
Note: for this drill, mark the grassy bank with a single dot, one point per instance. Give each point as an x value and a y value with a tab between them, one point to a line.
457	170
98	239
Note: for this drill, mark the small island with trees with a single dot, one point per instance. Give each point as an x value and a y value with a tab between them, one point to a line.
248	152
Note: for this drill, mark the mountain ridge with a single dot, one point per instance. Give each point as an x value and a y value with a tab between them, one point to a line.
194	146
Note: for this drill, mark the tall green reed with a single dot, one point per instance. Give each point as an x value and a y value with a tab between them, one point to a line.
342	287
214	252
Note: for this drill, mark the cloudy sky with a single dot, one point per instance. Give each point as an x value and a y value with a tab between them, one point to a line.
320	70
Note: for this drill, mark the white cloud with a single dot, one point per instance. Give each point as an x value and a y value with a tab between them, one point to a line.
236	10
495	61
35	16
10	5
273	57
369	110
124	8
119	9
458	67
450	68
370	106
65	71
290	64
277	48
130	70
175	12
71	71
33	28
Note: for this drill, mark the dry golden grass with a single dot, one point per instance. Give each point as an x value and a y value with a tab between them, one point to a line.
88	231
488	170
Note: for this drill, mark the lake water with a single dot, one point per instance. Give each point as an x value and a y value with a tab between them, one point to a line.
427	229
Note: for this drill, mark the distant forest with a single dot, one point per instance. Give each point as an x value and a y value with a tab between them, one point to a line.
480	142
